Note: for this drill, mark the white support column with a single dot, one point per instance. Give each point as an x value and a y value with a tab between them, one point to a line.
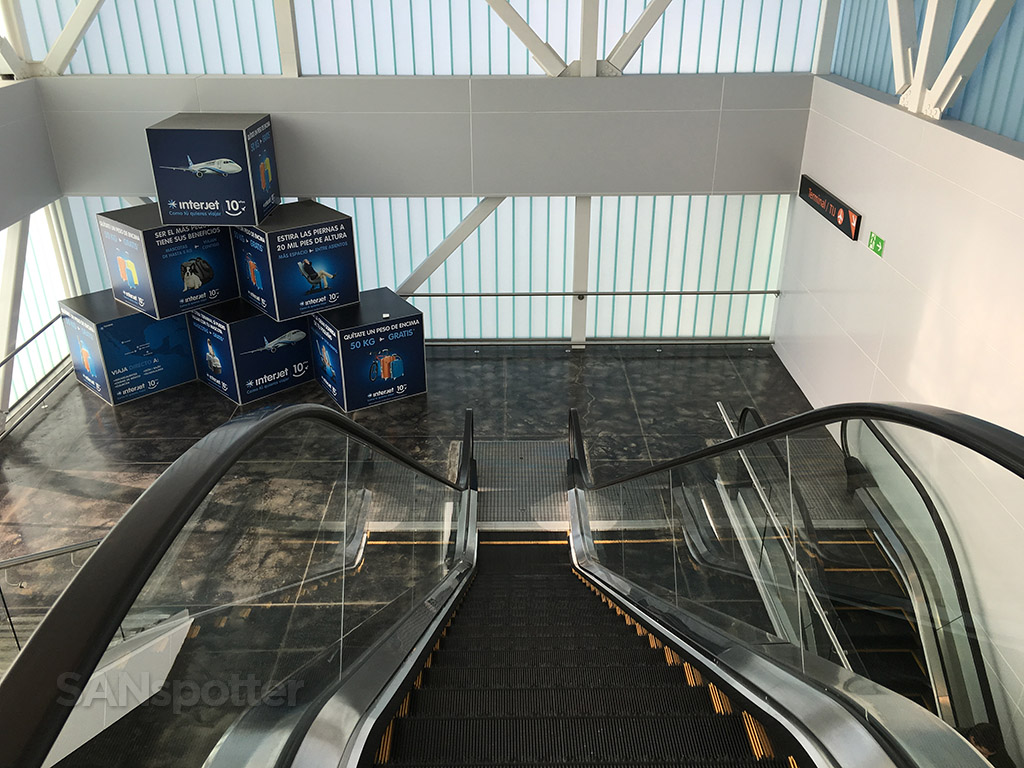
588	38
938	23
629	43
903	25
542	53
63	50
447	247
988	16
11	278
825	42
60	248
580	272
69	249
287	37
14	23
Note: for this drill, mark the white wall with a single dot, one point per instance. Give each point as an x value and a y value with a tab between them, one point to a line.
939	319
28	180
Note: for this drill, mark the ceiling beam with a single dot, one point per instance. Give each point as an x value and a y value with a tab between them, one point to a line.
588	38
903	26
825	42
977	36
66	44
629	43
14	23
287	37
542	53
938	23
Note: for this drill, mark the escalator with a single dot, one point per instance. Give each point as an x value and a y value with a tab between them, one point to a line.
350	585
534	669
869	592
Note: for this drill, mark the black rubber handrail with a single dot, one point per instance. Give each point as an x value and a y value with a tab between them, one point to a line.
995	443
950	555
71	639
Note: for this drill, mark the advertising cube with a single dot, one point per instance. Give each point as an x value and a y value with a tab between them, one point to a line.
245	355
301	260
165	270
214	168
371	352
122	355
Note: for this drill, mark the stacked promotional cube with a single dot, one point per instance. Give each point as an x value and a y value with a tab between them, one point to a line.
219	281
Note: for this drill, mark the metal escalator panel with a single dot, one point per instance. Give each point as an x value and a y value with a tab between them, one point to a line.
309	546
535	669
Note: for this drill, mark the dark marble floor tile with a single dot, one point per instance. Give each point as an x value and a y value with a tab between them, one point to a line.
67	506
610	447
97	453
191	410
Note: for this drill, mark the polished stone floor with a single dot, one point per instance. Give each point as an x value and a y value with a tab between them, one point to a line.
72	469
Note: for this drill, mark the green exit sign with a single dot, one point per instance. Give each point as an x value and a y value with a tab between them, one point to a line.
876	244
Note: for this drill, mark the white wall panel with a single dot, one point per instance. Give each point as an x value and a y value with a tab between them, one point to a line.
393	137
28	179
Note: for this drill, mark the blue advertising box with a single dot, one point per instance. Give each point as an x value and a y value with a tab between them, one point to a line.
372	352
165	270
213	168
301	260
122	355
245	355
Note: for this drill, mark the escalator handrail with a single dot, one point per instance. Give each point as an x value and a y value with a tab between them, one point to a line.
995	443
950	555
69	642
902	731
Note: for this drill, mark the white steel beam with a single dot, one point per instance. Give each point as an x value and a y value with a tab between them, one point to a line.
11	279
287	37
825	42
64	47
542	53
629	43
988	16
447	247
580	271
10	62
588	38
938	23
903	25
14	23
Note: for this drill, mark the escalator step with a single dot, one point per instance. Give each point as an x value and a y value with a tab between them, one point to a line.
501	641
687	740
560	658
531	677
559	702
751	763
471	632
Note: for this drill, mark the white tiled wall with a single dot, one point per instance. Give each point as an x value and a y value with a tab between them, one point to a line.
939	320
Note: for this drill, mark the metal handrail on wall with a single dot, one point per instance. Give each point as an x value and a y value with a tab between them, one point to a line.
37	397
36	557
